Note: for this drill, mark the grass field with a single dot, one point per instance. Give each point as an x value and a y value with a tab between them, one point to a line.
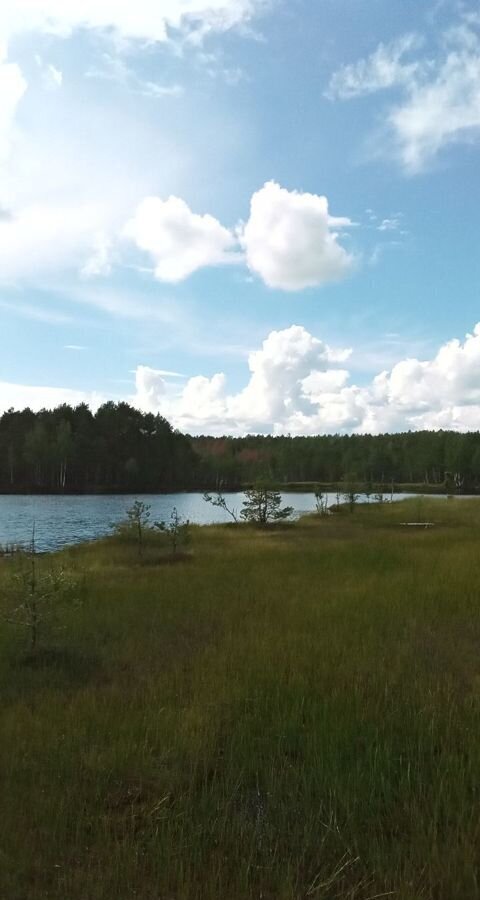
285	714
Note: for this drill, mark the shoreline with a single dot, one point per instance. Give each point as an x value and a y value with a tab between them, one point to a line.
307	487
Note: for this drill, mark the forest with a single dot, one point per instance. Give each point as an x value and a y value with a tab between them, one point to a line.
120	449
75	450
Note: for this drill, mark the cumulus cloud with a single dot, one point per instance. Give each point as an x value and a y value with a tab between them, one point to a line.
204	396
295	386
150	388
441	103
278	372
291	241
430	392
298	385
278	387
178	240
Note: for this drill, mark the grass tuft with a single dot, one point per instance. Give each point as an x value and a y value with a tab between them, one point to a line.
286	713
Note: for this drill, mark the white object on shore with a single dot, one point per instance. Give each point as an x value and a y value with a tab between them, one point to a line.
418	524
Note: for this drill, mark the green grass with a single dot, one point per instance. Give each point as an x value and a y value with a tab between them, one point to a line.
284	714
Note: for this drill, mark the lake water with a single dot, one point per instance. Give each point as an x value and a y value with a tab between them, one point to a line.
61	520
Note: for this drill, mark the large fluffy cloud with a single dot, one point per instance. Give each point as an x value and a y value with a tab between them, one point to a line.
200	406
441	392
284	373
278	371
291	241
178	240
299	385
441	103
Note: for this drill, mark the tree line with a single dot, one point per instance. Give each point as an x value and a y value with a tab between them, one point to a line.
72	449
435	459
120	449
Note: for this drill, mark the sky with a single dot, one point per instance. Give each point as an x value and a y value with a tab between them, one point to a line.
249	216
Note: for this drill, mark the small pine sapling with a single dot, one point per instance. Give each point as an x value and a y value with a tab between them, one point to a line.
177	531
138	516
321	502
36	595
218	499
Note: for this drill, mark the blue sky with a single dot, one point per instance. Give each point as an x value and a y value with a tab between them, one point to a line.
247	215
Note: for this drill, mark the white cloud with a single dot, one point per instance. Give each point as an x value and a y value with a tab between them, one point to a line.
55	75
294	387
206	396
316	384
441	103
20	396
100	260
42	239
150	387
114	68
277	390
12	88
178	240
450	380
278	372
63	199
51	76
385	68
69	191
291	241
201	400
443	110
148	21
391	224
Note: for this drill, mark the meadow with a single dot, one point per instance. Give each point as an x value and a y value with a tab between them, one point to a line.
280	713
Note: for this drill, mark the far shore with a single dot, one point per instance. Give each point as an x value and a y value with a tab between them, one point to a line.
295	487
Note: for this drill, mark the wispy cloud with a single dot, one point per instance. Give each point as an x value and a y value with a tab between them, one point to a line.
441	103
114	68
385	68
37	313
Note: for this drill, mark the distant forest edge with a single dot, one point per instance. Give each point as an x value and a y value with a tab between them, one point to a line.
120	449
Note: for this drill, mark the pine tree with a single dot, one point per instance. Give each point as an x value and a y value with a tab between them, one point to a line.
263	504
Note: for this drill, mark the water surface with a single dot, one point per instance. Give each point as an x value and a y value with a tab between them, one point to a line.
63	520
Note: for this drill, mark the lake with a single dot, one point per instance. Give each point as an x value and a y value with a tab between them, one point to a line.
63	520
